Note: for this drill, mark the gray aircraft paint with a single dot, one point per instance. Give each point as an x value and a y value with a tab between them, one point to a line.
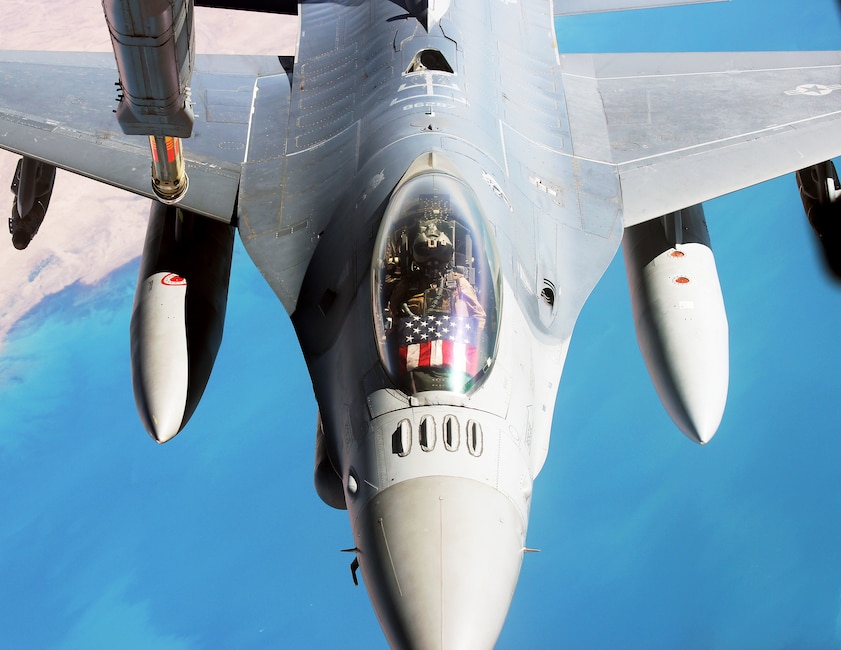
561	153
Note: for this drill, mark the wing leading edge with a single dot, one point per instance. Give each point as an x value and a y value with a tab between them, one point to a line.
573	7
683	128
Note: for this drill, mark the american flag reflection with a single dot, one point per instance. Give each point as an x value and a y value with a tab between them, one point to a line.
438	341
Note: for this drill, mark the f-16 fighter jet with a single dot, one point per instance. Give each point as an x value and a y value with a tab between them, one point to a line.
432	189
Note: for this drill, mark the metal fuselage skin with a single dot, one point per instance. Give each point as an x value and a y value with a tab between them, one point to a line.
438	483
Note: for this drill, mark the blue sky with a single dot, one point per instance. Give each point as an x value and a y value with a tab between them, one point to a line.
217	539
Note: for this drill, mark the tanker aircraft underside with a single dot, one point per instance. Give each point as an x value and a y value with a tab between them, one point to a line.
432	190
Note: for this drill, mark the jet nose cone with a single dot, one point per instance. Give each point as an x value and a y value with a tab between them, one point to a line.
440	557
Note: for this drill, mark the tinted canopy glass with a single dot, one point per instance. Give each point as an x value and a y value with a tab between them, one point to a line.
436	295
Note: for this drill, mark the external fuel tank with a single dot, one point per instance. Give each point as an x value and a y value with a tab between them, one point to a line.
178	315
679	316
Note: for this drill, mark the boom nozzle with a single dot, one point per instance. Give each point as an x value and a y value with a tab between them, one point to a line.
169	177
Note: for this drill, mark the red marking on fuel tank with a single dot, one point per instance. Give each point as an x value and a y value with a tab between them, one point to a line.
676	254
173	280
682	280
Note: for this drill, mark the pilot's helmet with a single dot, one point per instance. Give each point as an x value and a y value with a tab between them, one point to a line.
431	245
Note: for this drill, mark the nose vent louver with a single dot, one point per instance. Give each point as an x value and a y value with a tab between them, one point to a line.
474	438
426	434
451	437
401	439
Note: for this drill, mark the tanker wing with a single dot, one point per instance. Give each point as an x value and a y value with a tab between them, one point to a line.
58	107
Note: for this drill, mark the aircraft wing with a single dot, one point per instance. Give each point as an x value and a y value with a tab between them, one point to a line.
57	107
680	129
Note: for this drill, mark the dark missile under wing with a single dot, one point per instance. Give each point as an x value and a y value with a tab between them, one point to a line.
433	207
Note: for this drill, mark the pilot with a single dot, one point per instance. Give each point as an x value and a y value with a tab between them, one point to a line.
431	287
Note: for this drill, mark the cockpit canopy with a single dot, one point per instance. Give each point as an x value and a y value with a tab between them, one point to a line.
436	287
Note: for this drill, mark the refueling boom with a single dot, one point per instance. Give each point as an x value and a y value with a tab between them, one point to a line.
154	46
